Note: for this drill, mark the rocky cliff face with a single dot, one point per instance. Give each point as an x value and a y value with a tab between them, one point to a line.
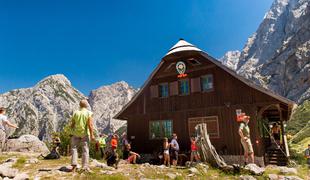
47	107
277	55
106	101
231	59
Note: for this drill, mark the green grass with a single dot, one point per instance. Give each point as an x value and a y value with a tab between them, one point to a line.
299	124
20	163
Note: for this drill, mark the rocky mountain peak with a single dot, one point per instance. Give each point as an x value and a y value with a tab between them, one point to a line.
106	101
277	55
54	79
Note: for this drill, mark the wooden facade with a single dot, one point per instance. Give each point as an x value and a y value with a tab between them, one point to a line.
215	106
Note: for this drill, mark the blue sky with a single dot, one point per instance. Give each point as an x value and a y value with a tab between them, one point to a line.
96	43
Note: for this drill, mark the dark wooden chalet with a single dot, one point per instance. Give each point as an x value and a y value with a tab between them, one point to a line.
190	87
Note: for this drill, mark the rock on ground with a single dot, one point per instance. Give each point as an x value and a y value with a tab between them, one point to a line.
193	170
280	177
273	177
247	177
32	161
171	175
254	169
95	163
22	176
6	171
27	143
286	170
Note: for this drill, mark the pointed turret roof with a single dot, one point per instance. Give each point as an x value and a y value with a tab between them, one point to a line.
182	45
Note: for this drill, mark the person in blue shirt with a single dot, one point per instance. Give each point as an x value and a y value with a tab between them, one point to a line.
174	149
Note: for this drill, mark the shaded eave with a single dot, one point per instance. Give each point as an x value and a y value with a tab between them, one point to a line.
268	92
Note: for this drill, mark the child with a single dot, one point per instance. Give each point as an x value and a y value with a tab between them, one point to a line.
166	147
194	150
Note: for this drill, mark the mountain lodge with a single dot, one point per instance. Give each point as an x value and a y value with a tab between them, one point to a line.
189	87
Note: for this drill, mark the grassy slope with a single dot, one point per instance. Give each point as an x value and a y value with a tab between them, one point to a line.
299	125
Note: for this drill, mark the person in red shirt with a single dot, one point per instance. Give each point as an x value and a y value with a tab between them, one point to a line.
114	142
194	151
112	156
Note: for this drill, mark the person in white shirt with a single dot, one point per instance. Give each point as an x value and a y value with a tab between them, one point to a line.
4	122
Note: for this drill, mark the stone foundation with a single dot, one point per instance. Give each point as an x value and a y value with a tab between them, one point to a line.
236	159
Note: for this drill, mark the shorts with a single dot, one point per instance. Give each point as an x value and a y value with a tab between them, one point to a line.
166	152
194	153
174	155
130	159
247	146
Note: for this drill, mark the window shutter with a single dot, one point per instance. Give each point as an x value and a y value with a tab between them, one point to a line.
174	88
154	91
195	84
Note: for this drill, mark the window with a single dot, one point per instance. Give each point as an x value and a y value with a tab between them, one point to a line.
212	125
184	87
160	129
194	62
207	82
163	90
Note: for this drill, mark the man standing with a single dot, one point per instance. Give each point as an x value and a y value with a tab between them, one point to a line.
124	144
102	144
3	122
307	155
82	130
174	149
244	132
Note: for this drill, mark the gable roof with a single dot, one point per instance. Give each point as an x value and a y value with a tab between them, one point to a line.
182	46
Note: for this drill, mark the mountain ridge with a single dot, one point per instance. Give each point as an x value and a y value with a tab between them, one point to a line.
47	106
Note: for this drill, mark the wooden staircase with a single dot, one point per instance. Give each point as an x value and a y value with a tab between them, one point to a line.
275	156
